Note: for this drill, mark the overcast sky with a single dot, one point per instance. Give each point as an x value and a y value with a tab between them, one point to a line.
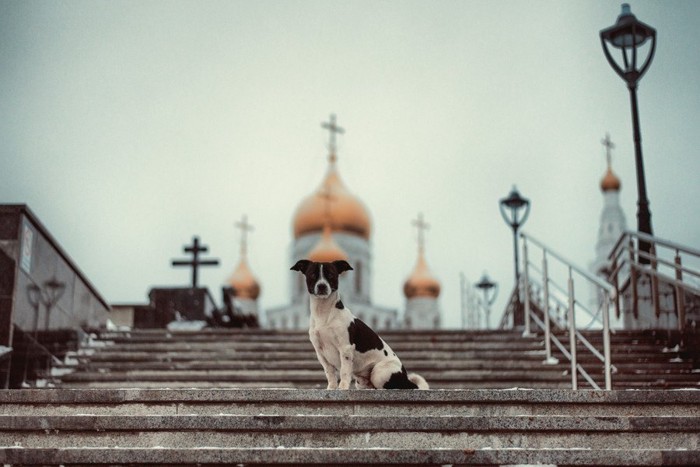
130	126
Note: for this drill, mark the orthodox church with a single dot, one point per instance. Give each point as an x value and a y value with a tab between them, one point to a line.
331	224
612	224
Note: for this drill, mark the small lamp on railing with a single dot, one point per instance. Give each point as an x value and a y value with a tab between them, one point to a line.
628	35
52	293
515	209
490	290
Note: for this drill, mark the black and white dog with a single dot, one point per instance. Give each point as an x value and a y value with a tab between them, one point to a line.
346	346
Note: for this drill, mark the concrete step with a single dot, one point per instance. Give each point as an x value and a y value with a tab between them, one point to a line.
331	457
313	364
318	431
354	402
292	427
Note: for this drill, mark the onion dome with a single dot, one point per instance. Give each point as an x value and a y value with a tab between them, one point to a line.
421	282
327	250
332	200
243	282
610	182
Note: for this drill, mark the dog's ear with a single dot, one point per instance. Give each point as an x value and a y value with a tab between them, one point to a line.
301	265
342	266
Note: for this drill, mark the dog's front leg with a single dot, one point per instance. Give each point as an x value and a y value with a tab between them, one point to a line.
328	369
331	373
347	354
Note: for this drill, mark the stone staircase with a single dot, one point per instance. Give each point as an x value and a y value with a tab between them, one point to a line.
286	359
255	397
319	427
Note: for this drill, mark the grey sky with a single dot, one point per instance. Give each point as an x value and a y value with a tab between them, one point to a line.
130	126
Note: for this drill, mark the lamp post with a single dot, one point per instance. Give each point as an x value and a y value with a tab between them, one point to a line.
515	210
628	34
490	290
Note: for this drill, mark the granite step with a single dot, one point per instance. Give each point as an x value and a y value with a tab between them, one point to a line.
330	457
353	402
292	427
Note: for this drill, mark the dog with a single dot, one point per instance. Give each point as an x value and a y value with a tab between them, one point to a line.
344	345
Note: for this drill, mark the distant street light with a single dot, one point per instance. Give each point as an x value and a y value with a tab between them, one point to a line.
515	210
628	34
490	290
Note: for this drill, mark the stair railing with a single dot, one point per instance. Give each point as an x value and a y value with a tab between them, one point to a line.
547	279
666	261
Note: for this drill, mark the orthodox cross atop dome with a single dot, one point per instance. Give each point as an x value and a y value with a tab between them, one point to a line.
607	142
245	228
333	129
421	226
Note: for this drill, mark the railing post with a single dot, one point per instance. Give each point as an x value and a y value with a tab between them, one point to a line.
606	341
680	296
633	280
654	282
545	310
616	283
526	288
572	333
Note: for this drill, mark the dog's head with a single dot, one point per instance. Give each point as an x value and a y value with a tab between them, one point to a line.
321	278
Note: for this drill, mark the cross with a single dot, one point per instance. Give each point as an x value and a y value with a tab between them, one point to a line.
333	129
195	262
608	146
422	226
245	228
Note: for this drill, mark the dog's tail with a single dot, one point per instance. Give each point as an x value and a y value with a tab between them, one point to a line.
418	380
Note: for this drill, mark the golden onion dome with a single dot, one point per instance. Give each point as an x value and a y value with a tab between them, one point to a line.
243	282
610	182
327	250
332	200
421	282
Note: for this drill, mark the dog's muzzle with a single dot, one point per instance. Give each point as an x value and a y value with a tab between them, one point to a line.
322	289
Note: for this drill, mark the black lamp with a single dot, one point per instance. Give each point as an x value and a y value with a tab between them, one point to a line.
628	35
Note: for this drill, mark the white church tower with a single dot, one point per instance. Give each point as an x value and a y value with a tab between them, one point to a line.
612	220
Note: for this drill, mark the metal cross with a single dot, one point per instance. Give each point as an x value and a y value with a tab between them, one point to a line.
333	129
422	226
195	262
245	228
608	146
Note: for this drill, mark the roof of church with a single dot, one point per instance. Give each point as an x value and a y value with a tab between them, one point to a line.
243	282
421	282
332	200
610	182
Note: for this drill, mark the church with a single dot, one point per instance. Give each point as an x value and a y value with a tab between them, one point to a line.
331	223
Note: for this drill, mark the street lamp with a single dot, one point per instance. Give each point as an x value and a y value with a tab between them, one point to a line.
515	210
490	290
628	34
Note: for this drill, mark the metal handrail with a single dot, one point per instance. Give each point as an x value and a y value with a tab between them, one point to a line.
625	254
607	290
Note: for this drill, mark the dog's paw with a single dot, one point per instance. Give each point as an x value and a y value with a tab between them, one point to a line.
332	386
344	385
